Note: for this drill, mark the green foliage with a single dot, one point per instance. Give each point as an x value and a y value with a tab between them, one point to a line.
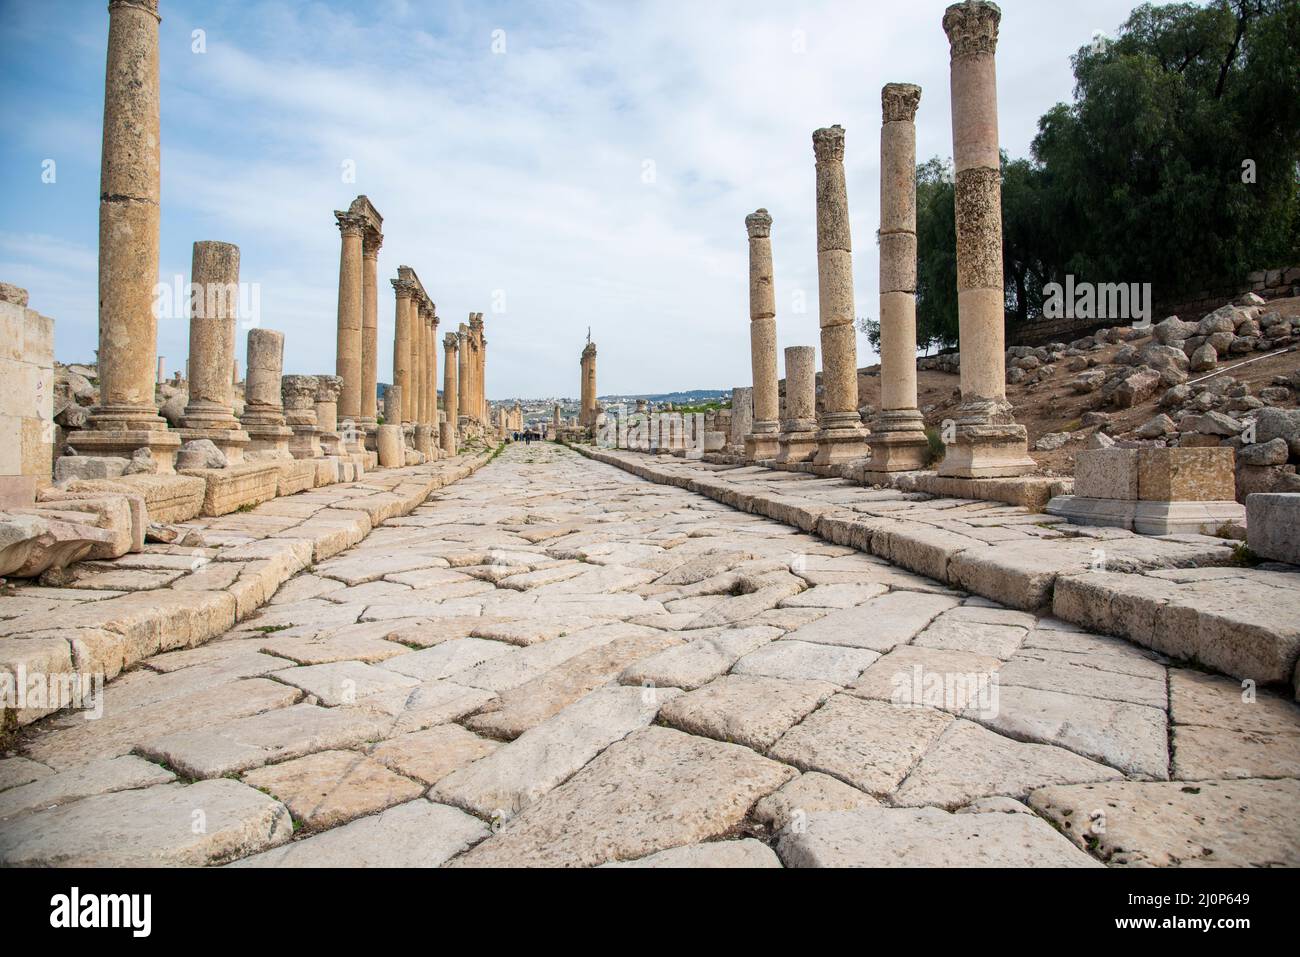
1140	179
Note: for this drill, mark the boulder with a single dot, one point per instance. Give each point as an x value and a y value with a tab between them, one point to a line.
1157	428
1274	452
71	468
1172	330
1273	423
1218	321
200	454
1164	357
1136	388
173	408
142	463
1052	442
1211	423
1089	382
1204	359
1178	396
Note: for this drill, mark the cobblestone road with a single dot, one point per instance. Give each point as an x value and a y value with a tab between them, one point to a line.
556	663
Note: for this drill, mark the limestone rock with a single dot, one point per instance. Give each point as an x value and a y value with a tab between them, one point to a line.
747	853
200	454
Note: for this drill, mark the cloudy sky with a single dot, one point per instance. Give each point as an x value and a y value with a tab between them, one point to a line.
556	166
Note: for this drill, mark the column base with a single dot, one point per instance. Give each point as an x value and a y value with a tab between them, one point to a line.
305	444
762	446
1148	518
115	443
839	444
988	451
268	438
899	443
232	442
799	446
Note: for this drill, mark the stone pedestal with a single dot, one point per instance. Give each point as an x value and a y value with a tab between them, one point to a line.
799	428
898	442
299	393
742	419
840	436
988	442
392	453
210	412
126	418
263	418
761	443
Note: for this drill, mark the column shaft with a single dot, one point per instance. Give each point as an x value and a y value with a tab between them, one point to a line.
799	426
369	332
761	444
347	362
402	345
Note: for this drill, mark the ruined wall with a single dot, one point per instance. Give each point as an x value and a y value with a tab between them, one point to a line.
26	398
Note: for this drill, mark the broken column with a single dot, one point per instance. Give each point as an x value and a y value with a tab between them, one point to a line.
214	305
299	393
898	442
986	442
840	436
588	417
450	391
742	419
388	437
328	389
799	427
126	418
761	444
263	418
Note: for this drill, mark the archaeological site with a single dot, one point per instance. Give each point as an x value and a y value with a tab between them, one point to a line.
981	550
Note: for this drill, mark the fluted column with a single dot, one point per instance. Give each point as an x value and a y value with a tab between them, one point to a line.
347	359
370	329
840	436
898	442
988	443
402	292
125	418
799	427
761	444
450	390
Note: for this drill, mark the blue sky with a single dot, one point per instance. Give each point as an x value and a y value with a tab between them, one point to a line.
594	169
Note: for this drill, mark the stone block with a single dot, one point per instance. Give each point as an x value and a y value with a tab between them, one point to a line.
1107	473
1273	526
1186	475
296	475
239	486
168	498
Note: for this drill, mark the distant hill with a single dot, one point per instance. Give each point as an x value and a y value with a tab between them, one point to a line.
693	397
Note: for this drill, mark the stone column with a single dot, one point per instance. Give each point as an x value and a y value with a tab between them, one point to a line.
402	292
482	373
742	419
420	377
761	443
299	393
799	428
450	390
987	441
214	304
328	389
479	393
463	385
898	442
370	329
555	419
418	410
126	417
840	436
263	417
431	378
347	362
587	418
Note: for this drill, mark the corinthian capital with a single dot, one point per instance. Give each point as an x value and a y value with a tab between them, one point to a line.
759	224
403	288
350	225
828	145
972	28
899	102
451	342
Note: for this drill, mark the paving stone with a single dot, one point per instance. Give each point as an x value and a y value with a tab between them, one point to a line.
247	743
700	660
749	710
504	783
505	671
1175	824
878	625
530	631
868	744
153	827
17	771
747	853
926	837
531	703
364	643
836	596
1130	737
933	677
802	660
1085	675
430	755
329	788
1204	754
101	776
345	682
414	834
448	658
806	794
1212	701
423	706
969	762
655	790
978	638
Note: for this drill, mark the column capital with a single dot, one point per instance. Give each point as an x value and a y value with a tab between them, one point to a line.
328	388
828	144
403	288
759	224
899	102
972	28
148	6
451	341
350	225
370	243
